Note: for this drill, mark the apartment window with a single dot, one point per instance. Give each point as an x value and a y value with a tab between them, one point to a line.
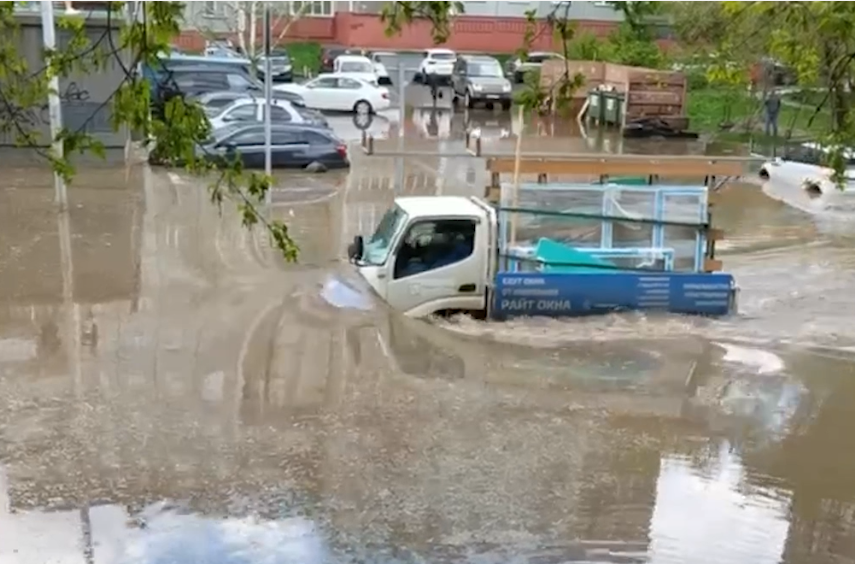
215	9
312	9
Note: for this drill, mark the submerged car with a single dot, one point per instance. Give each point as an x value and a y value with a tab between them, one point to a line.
340	92
214	102
804	164
253	110
293	146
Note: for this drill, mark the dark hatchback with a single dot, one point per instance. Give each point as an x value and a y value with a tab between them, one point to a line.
328	57
293	146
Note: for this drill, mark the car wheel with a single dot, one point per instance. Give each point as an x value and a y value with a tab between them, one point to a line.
764	175
363	107
518	77
467	100
506	106
812	189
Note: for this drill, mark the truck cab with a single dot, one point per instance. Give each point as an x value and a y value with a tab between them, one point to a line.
431	255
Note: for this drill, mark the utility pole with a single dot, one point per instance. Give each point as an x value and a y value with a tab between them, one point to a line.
54	103
268	101
400	171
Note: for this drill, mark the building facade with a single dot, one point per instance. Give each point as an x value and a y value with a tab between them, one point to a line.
84	96
489	27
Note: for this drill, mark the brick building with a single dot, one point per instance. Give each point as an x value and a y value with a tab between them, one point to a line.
491	27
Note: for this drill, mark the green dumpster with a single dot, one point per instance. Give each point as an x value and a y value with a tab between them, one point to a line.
612	108
595	106
630	180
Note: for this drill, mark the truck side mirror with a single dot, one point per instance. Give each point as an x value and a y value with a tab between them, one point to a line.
355	249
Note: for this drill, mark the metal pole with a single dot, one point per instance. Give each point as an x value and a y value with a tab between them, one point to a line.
268	100
402	102
54	103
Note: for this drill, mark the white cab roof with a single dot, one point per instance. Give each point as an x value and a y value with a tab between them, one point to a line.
439	206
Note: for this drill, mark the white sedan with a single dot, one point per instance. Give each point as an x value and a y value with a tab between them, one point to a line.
342	93
802	165
252	110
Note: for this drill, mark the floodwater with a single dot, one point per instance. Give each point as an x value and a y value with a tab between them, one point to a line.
171	392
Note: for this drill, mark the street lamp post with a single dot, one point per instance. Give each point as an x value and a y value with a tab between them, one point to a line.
268	95
54	103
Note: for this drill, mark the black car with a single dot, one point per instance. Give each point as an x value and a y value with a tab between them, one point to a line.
293	146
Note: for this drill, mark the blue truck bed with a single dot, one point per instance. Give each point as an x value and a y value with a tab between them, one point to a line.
553	266
589	293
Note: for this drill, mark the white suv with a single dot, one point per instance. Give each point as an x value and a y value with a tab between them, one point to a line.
438	62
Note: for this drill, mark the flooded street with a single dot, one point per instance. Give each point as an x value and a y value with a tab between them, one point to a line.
172	392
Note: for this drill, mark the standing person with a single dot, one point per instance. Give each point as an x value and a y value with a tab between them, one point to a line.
772	108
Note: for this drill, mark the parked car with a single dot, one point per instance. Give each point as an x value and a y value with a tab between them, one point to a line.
214	102
194	81
355	66
438	62
176	61
803	164
222	48
253	110
517	68
383	78
479	79
340	93
293	146
166	68
329	55
281	69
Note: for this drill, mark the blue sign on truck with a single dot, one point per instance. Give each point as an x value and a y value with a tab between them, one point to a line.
565	294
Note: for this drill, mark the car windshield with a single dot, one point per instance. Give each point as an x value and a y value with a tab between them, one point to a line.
486	69
443	56
378	247
357	66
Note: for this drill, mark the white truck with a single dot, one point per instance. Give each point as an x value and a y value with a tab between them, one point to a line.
439	255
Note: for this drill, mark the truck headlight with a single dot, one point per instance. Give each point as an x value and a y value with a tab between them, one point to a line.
477	87
506	87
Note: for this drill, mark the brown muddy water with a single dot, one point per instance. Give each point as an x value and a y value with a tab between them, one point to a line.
170	392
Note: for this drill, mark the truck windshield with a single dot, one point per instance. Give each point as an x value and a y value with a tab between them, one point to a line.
378	247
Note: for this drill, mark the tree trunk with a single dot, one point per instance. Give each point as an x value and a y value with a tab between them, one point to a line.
253	28
241	27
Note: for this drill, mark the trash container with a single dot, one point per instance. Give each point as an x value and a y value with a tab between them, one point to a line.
595	106
630	180
612	104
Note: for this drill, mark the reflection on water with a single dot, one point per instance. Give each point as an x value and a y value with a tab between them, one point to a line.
291	419
697	508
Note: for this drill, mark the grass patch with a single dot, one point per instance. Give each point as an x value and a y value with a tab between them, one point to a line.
305	57
734	113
